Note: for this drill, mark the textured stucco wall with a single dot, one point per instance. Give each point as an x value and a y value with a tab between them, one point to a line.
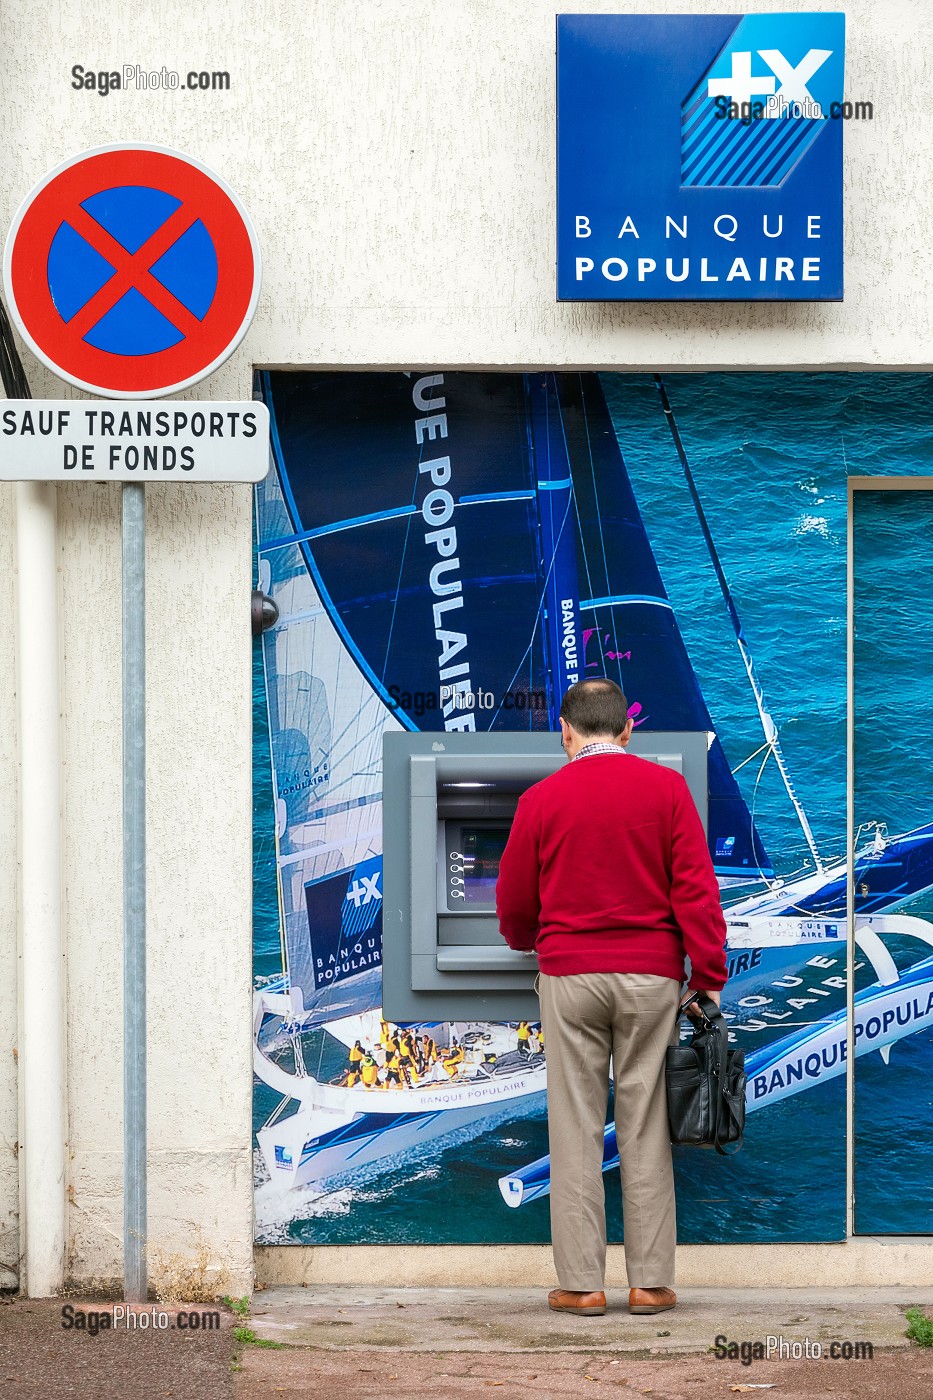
9	956
397	156
198	833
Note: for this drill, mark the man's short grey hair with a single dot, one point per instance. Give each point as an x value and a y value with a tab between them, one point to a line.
595	706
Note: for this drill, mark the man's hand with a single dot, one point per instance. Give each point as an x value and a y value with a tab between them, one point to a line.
693	1010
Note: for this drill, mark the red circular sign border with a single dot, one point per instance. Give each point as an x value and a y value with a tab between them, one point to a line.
138	376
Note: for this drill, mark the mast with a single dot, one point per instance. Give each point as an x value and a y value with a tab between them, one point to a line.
556	522
772	737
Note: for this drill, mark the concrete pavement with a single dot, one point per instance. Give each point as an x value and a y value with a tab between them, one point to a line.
454	1344
517	1320
448	1344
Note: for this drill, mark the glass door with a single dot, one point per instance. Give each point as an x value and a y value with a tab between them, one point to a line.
892	573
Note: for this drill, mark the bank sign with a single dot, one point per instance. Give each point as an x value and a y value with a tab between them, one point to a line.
699	157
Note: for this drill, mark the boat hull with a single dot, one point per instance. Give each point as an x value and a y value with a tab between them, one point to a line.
310	1149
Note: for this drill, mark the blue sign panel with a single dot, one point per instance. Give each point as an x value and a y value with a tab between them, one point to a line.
699	157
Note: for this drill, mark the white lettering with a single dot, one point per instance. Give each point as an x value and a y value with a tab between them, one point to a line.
434	426
444	540
437	507
428	381
461	722
439	467
442	589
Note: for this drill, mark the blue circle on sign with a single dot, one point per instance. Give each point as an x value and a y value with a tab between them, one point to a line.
187	269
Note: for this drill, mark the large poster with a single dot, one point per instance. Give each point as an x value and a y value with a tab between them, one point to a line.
690	539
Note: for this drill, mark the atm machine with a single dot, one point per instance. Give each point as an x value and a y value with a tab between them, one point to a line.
448	804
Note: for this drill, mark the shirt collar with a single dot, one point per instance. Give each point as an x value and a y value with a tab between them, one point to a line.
589	750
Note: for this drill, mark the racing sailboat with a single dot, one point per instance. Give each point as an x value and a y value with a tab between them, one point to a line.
556	579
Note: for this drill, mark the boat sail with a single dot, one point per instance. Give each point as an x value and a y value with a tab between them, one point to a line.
549	533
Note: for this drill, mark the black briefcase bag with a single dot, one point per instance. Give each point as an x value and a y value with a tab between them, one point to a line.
706	1084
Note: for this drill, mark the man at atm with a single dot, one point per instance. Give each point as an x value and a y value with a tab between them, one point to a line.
607	876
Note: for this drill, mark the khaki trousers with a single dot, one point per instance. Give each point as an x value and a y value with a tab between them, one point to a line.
588	1018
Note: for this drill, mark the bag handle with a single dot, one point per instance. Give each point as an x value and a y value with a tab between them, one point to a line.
723	1107
706	1004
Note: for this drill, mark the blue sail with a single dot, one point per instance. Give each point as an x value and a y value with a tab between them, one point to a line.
371	512
447	551
557	525
630	631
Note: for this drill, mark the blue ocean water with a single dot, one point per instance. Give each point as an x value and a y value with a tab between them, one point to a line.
771	454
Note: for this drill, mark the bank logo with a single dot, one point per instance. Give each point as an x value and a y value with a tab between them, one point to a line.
777	78
699	157
364	890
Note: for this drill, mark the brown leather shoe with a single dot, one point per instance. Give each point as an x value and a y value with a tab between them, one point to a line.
651	1300
583	1304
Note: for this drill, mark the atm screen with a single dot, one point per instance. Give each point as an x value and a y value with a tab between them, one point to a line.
474	852
482	851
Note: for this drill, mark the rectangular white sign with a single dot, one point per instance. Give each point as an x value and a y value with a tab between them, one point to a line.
99	440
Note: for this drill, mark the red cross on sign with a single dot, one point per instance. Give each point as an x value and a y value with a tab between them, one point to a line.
132	271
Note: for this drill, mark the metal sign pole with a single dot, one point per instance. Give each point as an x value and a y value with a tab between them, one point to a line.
135	1285
76	446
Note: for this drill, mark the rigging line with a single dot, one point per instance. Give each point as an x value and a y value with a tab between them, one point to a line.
551	663
769	750
767	722
363	736
541	600
586	561
526	654
593	592
778	885
765	745
401	567
589	448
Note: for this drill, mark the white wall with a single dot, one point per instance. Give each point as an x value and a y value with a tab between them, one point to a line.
397	157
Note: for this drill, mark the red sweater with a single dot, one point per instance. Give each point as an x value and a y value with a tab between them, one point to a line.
607	870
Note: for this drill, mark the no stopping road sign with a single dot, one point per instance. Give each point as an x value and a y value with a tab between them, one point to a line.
132	271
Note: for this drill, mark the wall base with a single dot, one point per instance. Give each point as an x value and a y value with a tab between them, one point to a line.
863	1261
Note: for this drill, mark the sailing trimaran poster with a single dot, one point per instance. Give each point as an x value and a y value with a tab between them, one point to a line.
694	534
